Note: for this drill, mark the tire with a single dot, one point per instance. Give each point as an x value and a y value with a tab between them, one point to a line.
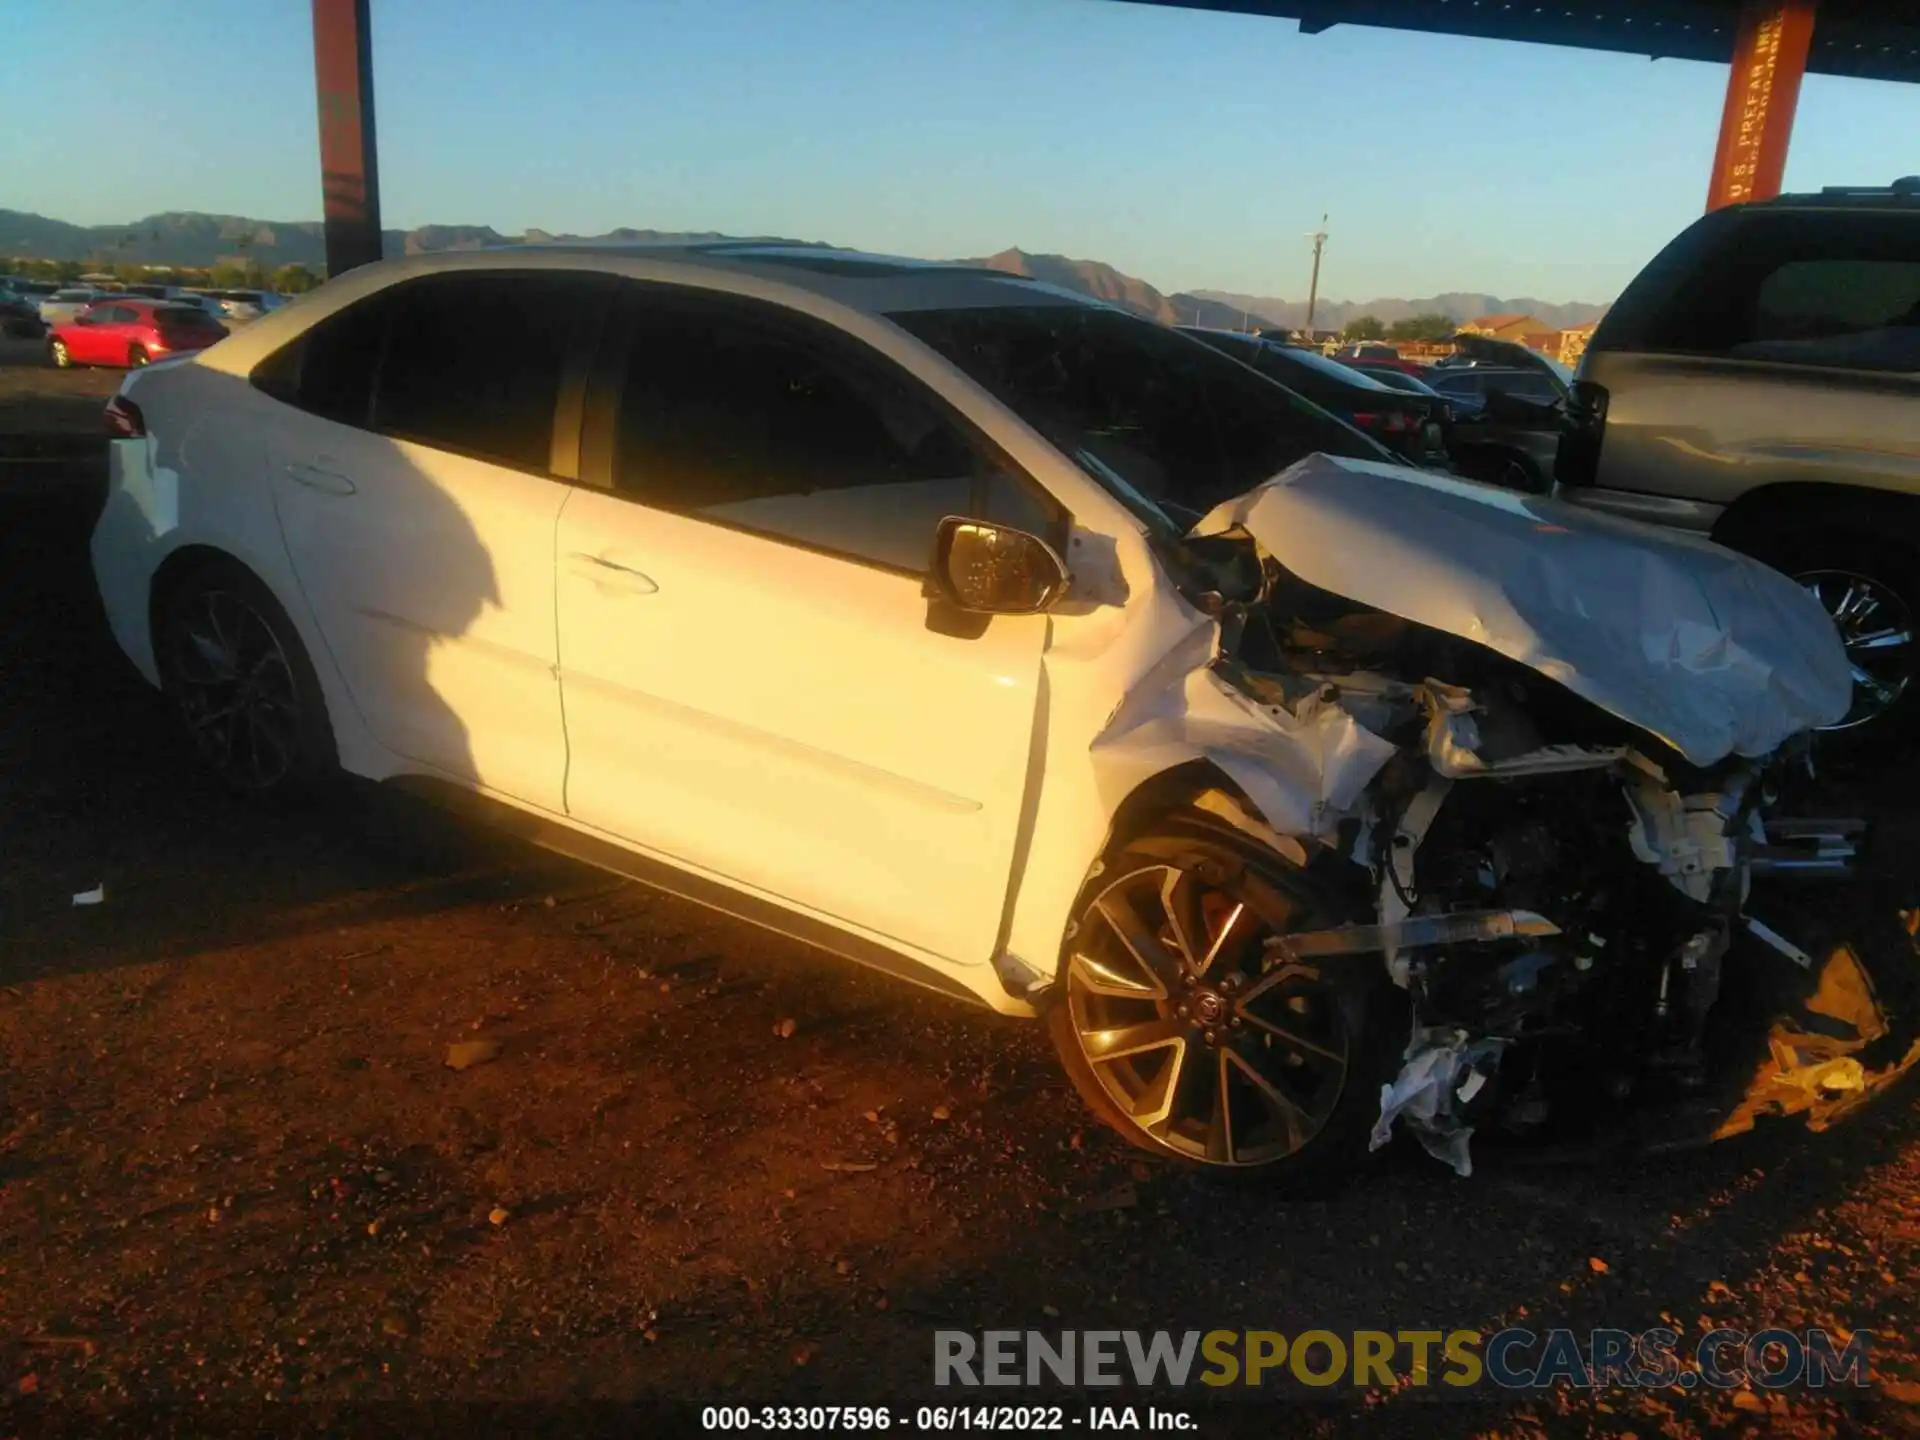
1331	1053
136	357
248	698
1882	576
61	356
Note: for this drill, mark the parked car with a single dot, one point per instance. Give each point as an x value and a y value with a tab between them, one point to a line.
1364	353
1472	384
842	593
65	303
20	316
1759	383
1509	406
240	306
1408	425
206	300
121	330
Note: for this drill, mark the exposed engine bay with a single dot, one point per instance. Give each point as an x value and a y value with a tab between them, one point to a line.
1558	891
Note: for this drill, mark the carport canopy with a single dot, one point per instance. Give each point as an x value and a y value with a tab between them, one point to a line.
1769	45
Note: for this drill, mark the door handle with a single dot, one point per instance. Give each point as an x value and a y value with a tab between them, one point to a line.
610	574
329	482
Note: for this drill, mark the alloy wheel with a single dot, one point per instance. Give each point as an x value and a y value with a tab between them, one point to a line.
234	684
1207	1042
62	357
1876	627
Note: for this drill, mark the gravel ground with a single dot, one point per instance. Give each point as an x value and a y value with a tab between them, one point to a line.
695	1163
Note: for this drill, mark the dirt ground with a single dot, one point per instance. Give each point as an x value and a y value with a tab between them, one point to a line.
242	1191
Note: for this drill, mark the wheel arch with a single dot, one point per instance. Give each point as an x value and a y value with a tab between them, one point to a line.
187	561
1199	792
1813	503
1186	787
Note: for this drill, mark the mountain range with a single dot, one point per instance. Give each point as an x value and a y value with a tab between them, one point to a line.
192	238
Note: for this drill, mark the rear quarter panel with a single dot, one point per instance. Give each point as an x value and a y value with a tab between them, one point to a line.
199	479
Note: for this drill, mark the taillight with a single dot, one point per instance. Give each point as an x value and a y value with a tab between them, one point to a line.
124	420
1399	422
1367	420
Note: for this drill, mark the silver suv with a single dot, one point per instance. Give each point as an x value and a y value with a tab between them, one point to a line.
1760	382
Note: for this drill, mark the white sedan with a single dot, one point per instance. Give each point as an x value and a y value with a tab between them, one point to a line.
1007	641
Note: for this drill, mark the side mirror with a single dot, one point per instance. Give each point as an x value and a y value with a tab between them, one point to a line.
988	569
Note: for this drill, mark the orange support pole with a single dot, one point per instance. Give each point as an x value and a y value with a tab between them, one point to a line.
349	159
1769	57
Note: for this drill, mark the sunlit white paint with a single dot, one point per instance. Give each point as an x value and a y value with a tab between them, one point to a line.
786	719
432	582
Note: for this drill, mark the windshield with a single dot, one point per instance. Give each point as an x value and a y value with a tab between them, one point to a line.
1133	402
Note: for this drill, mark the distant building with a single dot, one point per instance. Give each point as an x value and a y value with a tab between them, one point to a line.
1504	327
1544	342
1573	342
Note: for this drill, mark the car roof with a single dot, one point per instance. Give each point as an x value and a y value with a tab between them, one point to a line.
1902	194
875	284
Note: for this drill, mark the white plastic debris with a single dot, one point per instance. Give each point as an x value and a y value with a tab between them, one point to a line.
95	896
1442	1072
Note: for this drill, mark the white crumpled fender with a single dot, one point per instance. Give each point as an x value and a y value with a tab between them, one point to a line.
1712	652
1303	772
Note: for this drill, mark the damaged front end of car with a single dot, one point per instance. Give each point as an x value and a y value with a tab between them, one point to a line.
1548	754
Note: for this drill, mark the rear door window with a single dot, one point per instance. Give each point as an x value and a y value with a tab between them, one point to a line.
469	363
473	363
329	370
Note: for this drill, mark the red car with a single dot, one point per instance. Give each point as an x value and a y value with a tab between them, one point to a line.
129	330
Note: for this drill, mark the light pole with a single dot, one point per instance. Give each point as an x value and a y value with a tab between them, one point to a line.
1319	238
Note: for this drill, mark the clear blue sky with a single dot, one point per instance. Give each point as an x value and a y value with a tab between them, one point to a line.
1193	150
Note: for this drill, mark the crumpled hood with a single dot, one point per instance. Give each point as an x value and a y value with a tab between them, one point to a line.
1711	652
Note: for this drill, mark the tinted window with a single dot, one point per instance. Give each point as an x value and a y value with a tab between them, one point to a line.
1141	408
473	363
1803	287
122	315
767	422
329	369
1861	314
